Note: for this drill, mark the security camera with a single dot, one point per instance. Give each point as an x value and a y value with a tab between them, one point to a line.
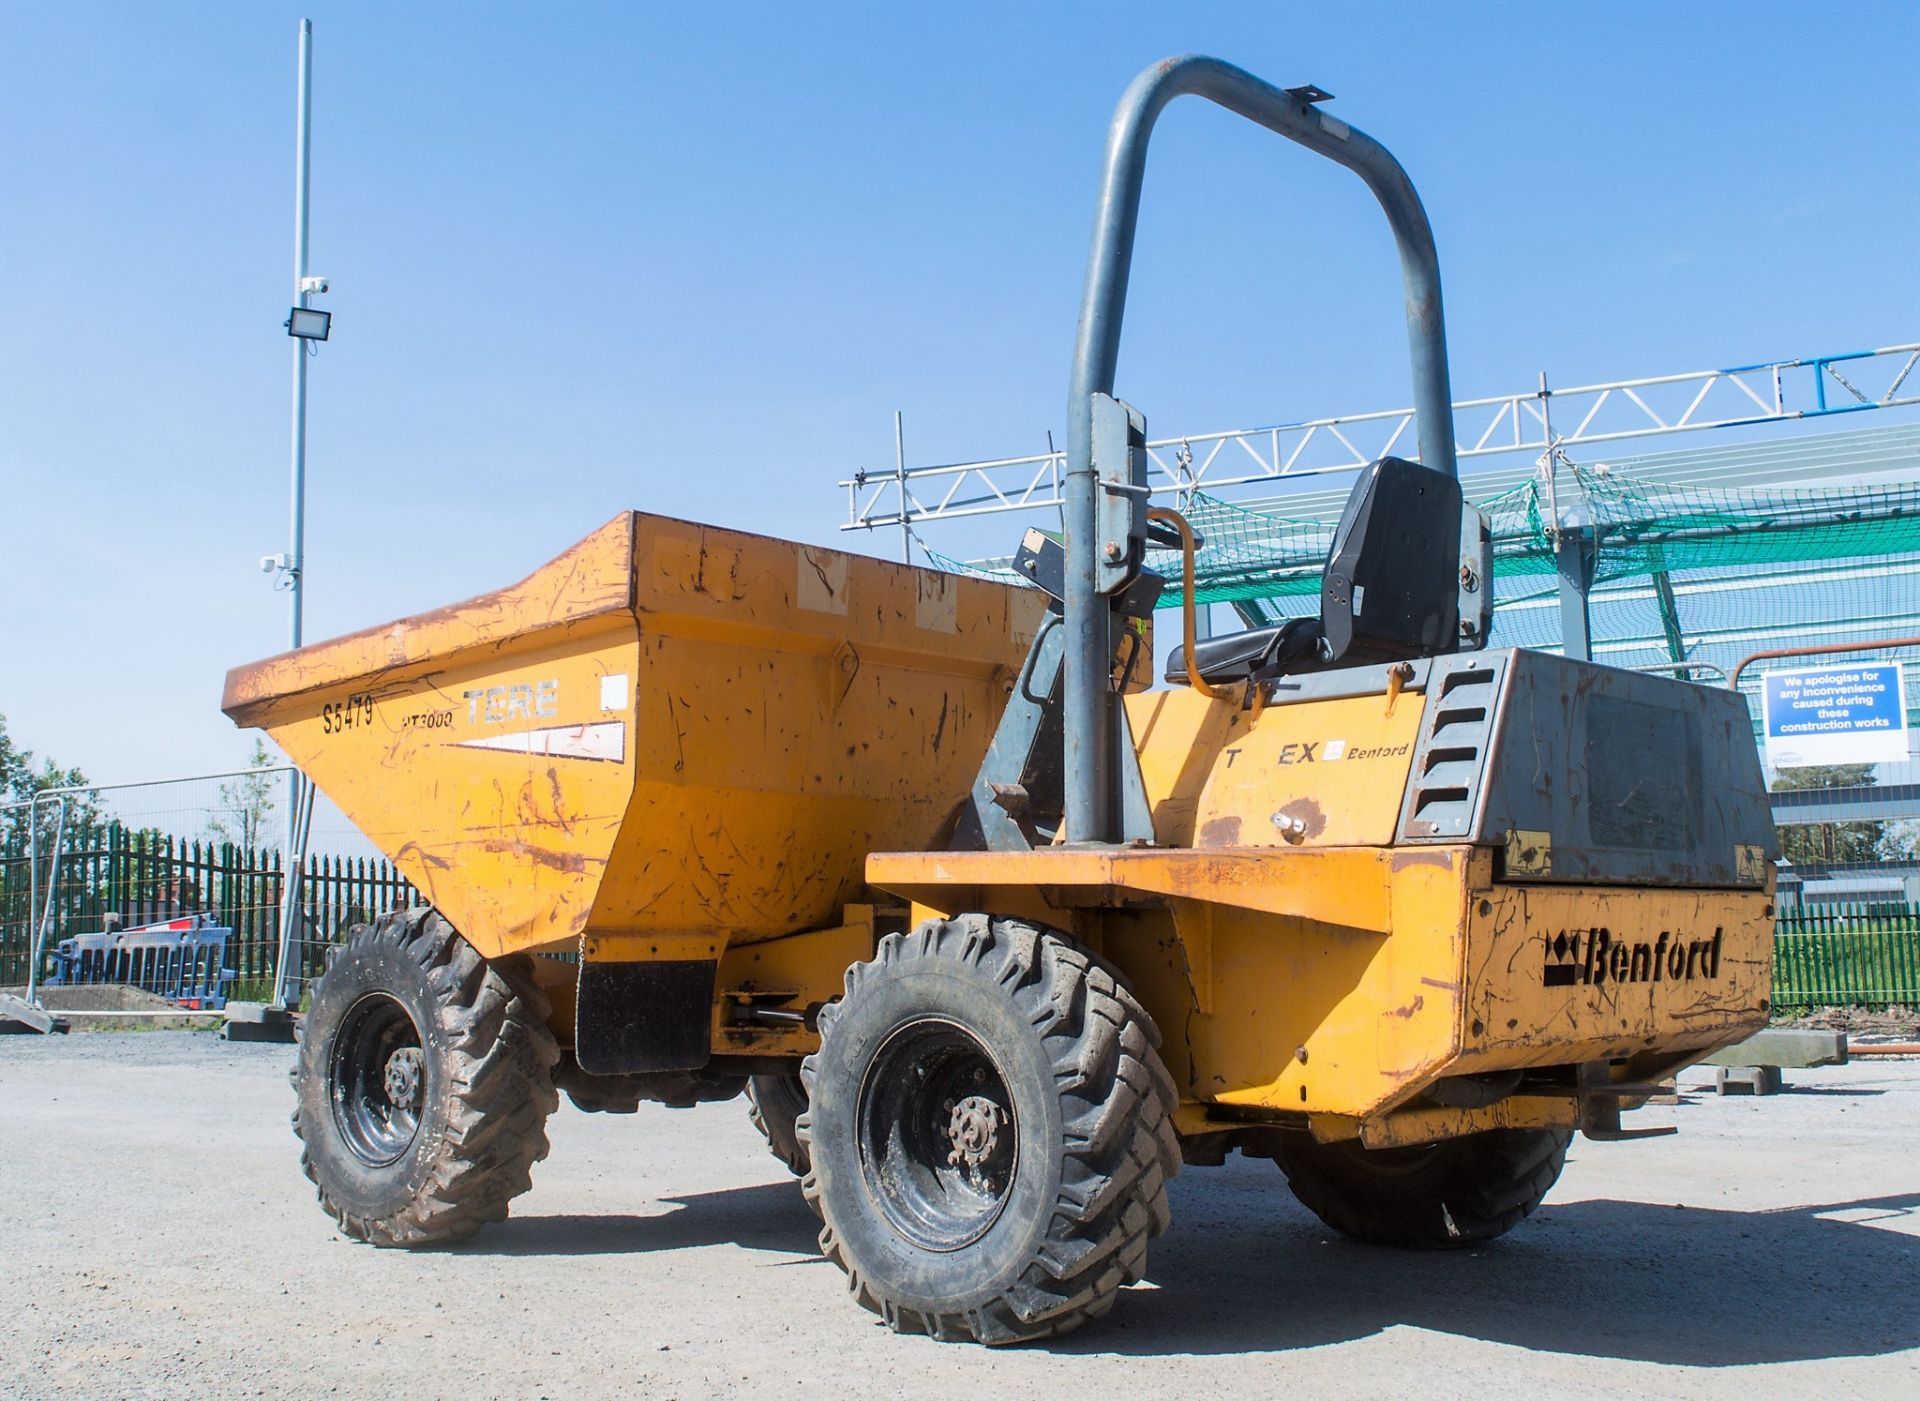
269	563
313	284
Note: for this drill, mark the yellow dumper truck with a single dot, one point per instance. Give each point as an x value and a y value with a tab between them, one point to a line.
994	933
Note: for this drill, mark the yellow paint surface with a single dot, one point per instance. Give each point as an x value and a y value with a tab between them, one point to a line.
1319	773
669	730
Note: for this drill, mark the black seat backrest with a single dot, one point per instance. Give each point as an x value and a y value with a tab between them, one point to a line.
1392	584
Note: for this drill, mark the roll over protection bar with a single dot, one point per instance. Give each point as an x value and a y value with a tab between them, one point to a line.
1091	754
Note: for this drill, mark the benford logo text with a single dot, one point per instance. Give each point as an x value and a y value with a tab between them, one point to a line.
1590	957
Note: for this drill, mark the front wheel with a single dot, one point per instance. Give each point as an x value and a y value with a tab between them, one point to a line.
1438	1196
989	1130
423	1084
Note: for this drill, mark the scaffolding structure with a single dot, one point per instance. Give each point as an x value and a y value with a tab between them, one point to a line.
1537	423
1682	561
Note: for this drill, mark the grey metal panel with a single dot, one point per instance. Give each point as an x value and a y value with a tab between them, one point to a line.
1120	505
1022	764
1136	813
1631	778
1017	741
1476	579
1445	784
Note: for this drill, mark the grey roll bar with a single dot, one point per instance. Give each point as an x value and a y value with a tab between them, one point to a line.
1090	733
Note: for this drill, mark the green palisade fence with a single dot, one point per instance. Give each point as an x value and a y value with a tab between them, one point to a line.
1864	955
141	876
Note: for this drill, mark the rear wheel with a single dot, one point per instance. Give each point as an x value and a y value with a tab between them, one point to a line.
775	1104
1437	1196
423	1084
990	1132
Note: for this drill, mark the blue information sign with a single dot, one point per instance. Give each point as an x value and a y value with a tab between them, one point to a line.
1853	714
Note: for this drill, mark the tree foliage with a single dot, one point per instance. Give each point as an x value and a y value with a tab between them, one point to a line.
247	805
21	777
1900	841
1829	843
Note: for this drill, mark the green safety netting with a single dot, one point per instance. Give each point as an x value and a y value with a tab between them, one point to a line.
1642	528
1702	575
1750	562
1646	527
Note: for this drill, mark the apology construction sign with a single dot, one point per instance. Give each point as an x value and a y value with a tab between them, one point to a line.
1852	714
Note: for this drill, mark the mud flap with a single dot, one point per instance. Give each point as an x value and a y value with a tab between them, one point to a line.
650	1015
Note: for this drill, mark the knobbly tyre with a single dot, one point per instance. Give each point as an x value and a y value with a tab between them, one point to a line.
994	936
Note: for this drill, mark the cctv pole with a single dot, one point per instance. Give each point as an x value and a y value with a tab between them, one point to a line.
303	111
297	523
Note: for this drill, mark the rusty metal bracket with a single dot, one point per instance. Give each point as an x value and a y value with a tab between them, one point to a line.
1600	1096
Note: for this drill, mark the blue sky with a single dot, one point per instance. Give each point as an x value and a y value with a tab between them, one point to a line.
692	258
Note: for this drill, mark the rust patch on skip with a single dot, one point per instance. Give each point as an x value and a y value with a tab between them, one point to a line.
1406	860
1406	1012
1221	831
570	862
559	801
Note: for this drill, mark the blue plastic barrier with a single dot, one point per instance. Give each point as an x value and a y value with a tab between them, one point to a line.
178	959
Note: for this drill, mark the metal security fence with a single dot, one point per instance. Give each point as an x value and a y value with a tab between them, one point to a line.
110	877
77	864
1857	955
337	893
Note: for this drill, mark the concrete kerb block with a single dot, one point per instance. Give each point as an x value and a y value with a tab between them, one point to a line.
1753	1066
1747	1079
256	1021
1786	1049
17	1015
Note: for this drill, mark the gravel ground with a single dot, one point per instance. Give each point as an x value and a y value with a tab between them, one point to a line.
159	1241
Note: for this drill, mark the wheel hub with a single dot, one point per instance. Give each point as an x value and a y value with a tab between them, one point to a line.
973	1128
406	1068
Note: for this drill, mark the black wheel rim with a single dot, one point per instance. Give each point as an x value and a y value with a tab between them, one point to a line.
938	1136
378	1080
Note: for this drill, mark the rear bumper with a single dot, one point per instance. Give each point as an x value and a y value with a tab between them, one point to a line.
1560	974
1528	978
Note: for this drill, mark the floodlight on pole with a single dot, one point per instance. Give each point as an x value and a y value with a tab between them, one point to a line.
307	324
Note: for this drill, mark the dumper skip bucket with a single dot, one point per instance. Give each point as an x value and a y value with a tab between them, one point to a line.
670	731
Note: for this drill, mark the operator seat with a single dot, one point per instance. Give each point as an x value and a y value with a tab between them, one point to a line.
1391	589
